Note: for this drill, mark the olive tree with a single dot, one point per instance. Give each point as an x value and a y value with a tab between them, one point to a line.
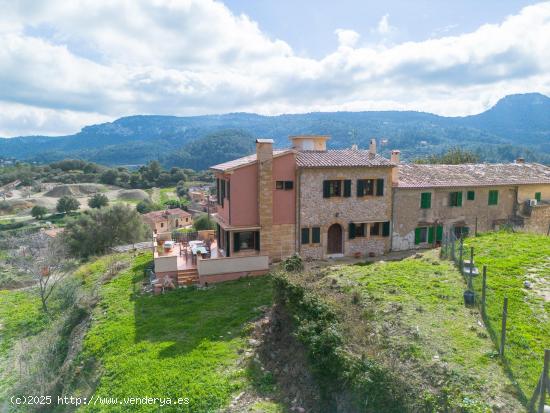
97	230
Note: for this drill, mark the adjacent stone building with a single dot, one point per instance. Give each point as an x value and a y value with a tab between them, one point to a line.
430	200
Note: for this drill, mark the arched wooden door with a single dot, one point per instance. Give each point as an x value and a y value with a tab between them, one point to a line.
334	242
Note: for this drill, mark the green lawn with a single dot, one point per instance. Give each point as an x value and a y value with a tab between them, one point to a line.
167	194
181	344
20	316
417	311
511	259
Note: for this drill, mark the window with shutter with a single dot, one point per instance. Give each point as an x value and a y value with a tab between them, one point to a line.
228	190
538	196
420	235
359	230
493	197
257	240
379	187
305	235
439	233
347	188
455	199
426	200
289	185
375	228
360	186
316	235
351	230
326	189
430	235
386	229
471	196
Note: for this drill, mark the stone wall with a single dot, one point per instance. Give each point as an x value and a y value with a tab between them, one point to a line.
264	153
284	241
539	219
316	211
408	215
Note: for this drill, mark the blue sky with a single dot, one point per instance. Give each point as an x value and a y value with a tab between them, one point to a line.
65	65
308	25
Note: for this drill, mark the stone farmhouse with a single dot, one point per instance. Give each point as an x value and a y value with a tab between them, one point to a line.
323	203
167	220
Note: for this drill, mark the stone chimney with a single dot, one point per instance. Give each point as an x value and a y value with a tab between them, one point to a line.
520	160
372	147
395	154
264	155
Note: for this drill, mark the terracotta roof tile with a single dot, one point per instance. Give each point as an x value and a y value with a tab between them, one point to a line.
340	158
154	215
245	160
469	175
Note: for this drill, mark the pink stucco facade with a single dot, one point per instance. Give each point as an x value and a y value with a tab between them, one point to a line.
240	209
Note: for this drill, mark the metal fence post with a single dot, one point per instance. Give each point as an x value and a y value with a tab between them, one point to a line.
544	381
503	328
483	290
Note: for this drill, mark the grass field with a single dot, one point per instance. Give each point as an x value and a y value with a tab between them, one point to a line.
418	312
20	317
511	259
184	343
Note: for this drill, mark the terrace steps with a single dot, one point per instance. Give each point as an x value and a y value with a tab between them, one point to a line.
188	277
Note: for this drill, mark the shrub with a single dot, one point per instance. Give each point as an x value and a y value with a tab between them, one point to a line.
67	204
98	201
38	211
204	222
100	229
293	263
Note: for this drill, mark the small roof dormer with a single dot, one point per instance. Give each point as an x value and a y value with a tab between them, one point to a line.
309	142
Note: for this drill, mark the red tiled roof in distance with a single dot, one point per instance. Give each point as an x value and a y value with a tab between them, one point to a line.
154	215
245	160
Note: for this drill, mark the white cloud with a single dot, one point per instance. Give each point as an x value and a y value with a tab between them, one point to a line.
66	64
347	38
384	27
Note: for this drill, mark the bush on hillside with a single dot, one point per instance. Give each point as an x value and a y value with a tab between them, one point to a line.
38	211
98	201
67	204
97	230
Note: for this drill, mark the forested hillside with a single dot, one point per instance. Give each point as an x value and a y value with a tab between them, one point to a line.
518	125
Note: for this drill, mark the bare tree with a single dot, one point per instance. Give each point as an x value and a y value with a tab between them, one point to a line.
44	258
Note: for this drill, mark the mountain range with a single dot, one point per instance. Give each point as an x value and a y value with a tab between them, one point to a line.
517	125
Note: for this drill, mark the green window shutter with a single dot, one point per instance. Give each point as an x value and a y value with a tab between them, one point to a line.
417	235
493	197
439	233
257	245
236	241
326	189
386	229
351	230
471	196
430	235
305	235
316	235
379	187
459	199
347	188
425	200
538	196
360	187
